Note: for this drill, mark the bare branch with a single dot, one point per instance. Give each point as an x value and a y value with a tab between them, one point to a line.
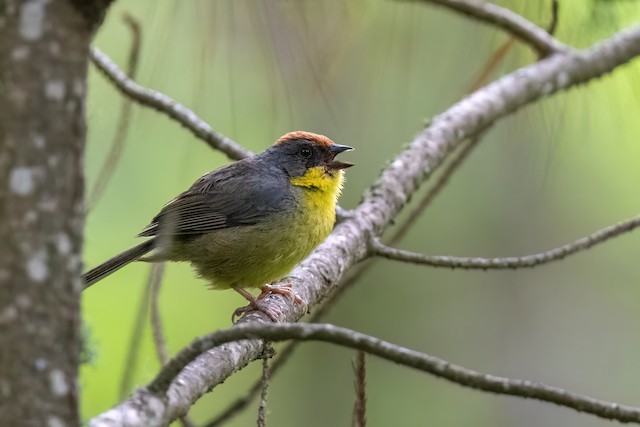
517	26
264	386
360	405
164	104
397	354
155	282
527	261
553	25
316	277
120	137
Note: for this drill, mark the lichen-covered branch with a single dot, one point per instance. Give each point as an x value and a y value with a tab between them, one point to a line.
348	244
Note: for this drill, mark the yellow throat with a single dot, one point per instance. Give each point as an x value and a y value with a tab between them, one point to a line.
321	194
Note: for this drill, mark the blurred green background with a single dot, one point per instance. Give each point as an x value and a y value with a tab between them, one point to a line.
368	74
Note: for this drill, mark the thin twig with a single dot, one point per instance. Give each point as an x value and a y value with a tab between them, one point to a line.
553	25
360	405
491	65
517	26
120	137
264	385
397	354
164	104
526	261
157	274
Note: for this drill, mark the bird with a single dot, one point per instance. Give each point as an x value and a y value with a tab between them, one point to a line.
249	223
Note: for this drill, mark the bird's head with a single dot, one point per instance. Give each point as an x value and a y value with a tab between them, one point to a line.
309	160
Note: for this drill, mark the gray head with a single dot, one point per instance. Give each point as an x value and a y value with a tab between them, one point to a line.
296	152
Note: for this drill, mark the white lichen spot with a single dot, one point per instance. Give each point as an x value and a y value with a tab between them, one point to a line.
38	140
563	79
21	181
19	53
55	89
41	364
54	421
53	161
32	19
37	269
58	383
397	164
63	243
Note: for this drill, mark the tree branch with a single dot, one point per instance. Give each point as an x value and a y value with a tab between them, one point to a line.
526	261
164	104
156	276
517	26
393	353
360	405
316	277
264	387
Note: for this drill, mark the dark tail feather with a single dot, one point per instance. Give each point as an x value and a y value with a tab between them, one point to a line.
116	263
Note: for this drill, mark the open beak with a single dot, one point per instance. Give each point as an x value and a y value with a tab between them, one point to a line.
331	162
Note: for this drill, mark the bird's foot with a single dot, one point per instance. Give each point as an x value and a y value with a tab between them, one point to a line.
285	289
274	315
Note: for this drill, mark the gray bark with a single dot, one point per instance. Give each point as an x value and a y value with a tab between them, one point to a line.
44	48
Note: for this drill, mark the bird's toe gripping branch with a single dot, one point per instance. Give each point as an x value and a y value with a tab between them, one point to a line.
254	303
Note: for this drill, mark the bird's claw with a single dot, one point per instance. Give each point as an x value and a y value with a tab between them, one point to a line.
254	303
285	289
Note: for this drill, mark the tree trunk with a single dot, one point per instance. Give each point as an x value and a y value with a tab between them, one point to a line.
43	65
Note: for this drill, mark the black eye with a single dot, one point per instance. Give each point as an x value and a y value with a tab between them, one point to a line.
305	152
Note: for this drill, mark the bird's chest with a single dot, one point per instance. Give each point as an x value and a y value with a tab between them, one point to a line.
315	219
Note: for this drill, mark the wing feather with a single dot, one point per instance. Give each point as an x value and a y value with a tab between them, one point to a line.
240	194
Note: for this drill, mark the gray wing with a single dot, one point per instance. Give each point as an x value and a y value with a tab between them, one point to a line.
242	193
